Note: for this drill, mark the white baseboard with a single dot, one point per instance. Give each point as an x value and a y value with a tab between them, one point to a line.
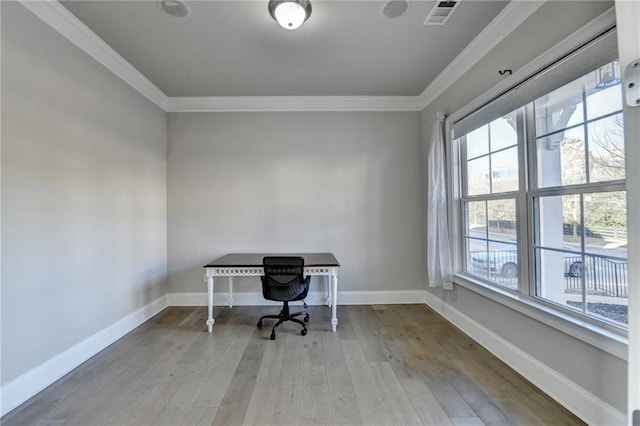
33	381
315	298
576	399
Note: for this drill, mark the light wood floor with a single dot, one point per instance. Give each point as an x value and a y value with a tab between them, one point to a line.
386	365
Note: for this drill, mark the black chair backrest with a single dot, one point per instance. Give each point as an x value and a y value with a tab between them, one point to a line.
283	278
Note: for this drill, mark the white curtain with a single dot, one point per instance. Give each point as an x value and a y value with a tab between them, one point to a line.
438	250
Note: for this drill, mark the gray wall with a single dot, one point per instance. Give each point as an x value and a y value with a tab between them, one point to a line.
600	373
83	195
343	182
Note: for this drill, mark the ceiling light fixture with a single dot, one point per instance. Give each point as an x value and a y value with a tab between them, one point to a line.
175	8
395	8
290	14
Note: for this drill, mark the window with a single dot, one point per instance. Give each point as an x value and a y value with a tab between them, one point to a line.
579	199
490	191
541	189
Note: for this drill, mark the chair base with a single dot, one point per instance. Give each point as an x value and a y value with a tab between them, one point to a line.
283	316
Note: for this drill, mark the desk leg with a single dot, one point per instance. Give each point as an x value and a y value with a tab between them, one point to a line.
210	319
329	298
334	302
230	292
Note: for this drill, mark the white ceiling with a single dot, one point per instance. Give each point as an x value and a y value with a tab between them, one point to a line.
234	48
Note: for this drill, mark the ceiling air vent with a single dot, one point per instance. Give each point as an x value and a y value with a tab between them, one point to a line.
440	12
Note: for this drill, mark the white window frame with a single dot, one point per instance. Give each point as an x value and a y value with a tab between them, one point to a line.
518	196
605	336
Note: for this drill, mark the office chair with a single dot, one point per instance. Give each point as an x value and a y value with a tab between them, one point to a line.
283	281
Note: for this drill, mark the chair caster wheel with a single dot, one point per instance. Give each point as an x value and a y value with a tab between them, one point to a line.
273	336
259	324
304	332
306	318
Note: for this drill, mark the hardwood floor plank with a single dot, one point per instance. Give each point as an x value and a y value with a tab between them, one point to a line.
289	401
425	403
367	328
227	352
48	422
156	398
260	409
386	364
81	406
199	416
35	412
397	403
346	329
427	369
178	407
342	398
233	406
134	397
315	421
119	409
470	421
315	392
164	367
472	394
501	392
369	399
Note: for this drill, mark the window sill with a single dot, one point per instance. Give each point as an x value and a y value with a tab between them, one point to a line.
608	339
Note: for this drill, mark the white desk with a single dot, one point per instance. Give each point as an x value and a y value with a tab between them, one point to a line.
250	265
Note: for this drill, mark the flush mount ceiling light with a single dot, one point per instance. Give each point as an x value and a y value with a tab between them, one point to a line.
395	8
175	8
290	14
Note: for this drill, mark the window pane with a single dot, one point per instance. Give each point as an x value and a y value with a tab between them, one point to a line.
605	221
504	171
558	222
498	264
503	132
606	288
503	263
478	142
606	149
495	258
561	158
476	214
558	277
559	109
603	90
477	255
597	276
572	157
502	220
478	174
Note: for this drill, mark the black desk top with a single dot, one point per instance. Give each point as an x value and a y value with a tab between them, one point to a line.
255	259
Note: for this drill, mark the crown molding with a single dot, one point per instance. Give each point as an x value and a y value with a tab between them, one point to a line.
293	103
510	18
63	21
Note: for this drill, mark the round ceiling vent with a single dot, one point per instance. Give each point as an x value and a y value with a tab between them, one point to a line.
395	8
175	8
